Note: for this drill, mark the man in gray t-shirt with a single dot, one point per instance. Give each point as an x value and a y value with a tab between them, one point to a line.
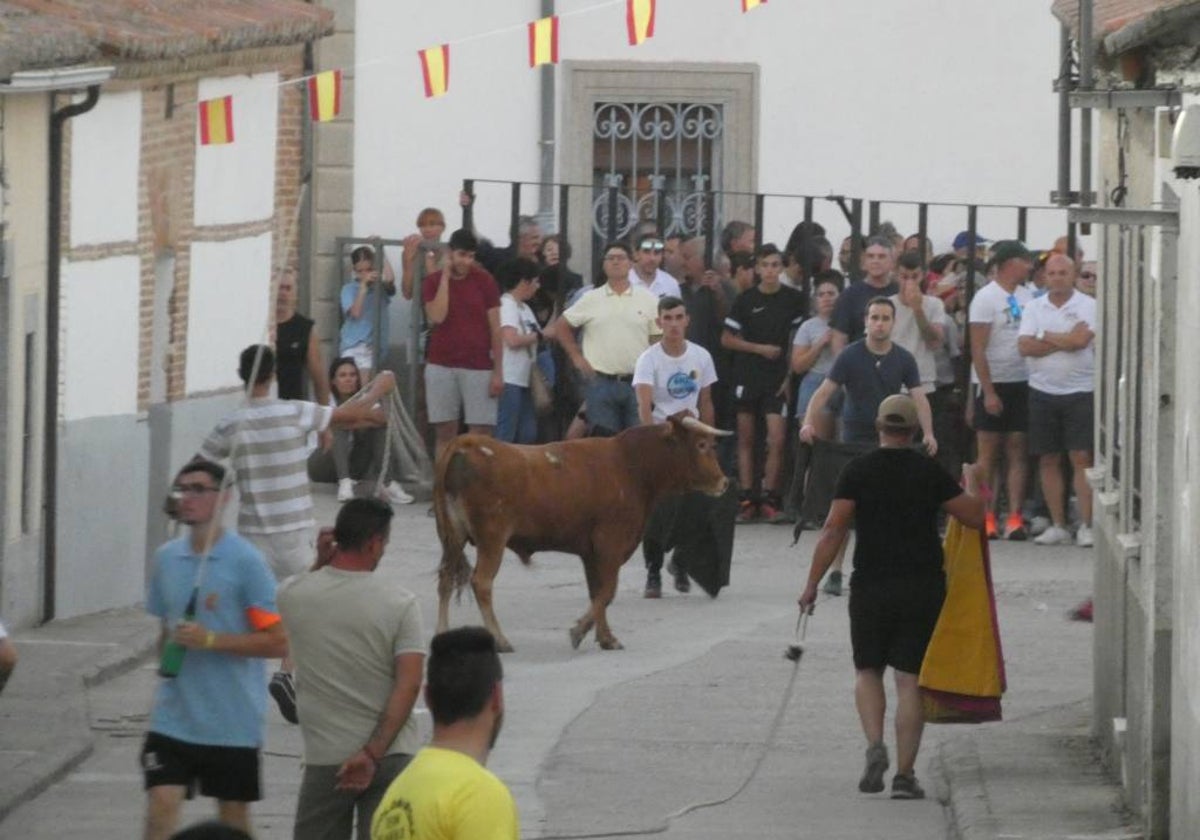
360	655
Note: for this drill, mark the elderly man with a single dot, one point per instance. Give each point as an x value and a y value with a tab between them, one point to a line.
893	496
1057	339
618	321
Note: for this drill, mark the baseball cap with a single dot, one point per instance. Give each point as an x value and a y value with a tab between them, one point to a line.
897	412
1009	249
964	239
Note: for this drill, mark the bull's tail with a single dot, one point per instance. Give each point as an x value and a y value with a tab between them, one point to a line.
453	473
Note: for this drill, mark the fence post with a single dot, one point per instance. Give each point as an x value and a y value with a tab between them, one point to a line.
1022	222
759	202
856	243
468	209
873	226
923	232
514	227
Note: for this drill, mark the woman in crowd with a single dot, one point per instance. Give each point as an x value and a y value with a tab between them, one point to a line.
812	356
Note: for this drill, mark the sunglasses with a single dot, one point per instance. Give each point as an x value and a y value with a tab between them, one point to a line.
1088	275
656	247
1014	308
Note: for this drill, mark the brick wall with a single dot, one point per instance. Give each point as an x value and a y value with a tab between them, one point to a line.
166	183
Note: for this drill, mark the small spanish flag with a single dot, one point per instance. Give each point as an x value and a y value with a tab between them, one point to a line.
435	67
748	5
639	18
543	41
325	95
216	121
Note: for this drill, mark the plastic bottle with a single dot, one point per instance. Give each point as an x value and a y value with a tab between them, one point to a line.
172	653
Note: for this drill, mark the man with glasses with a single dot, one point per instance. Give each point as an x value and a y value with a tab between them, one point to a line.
647	269
618	321
206	727
1000	379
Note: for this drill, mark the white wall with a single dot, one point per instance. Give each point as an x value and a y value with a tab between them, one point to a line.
228	306
100	337
235	182
106	145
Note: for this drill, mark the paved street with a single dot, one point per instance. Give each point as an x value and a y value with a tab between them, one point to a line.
699	707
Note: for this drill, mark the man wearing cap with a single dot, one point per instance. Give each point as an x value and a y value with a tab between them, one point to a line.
892	495
647	269
962	244
1057	339
618	321
1000	378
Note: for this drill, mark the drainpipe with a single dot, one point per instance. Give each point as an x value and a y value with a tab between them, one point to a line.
546	141
54	203
1063	195
1086	83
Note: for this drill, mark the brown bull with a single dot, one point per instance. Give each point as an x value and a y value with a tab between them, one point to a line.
587	497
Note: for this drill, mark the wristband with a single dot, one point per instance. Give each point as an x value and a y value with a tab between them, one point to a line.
210	639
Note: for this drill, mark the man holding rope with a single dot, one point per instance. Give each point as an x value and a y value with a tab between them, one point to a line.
892	495
265	441
206	728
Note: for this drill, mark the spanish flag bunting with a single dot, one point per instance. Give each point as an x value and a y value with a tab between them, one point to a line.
747	5
543	41
216	121
435	67
639	18
325	95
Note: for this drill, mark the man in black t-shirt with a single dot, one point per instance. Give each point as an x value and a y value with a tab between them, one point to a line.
892	495
849	316
296	347
758	332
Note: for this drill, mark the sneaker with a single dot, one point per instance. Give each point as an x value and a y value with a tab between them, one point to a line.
877	765
1054	535
906	787
1038	525
682	584
283	689
1015	529
989	525
833	583
1084	537
653	586
395	494
775	515
345	489
747	512
1083	612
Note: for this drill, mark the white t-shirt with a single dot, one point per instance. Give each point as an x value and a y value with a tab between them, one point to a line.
517	360
664	284
807	336
345	630
1063	371
907	334
676	380
950	350
991	306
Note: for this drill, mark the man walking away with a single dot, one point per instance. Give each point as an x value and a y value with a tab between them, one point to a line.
357	642
447	792
206	727
893	494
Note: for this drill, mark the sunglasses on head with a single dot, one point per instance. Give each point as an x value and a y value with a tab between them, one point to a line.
650	245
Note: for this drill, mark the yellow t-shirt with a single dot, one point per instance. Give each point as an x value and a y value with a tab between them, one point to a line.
445	795
616	327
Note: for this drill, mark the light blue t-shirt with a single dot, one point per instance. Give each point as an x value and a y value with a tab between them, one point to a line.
362	330
217	699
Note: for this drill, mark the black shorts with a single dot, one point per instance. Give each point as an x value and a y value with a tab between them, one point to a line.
749	401
230	774
892	620
1060	422
1014	417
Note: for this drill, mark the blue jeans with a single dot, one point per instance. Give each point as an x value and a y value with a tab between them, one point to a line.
516	421
808	386
611	405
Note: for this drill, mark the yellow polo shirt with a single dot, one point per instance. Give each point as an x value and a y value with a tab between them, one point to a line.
616	327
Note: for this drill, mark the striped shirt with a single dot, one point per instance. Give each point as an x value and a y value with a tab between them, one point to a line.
266	441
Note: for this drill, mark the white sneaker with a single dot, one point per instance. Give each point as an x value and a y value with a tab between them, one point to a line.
1038	525
1054	535
1084	538
345	489
395	494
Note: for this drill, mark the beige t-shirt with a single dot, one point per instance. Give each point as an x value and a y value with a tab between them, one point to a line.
345	630
616	327
907	334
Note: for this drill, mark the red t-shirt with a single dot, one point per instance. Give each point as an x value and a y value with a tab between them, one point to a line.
463	340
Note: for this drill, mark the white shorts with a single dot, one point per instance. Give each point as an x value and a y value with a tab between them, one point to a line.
287	552
363	356
451	393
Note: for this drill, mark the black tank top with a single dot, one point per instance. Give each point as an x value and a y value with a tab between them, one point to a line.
291	350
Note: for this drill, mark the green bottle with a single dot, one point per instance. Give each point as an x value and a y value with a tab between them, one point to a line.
172	653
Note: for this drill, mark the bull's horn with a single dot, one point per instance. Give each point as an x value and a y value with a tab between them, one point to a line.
697	426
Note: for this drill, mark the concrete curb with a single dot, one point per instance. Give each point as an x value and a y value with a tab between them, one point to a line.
57	731
967	802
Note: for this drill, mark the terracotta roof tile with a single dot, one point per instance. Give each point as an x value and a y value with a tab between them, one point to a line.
1109	16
